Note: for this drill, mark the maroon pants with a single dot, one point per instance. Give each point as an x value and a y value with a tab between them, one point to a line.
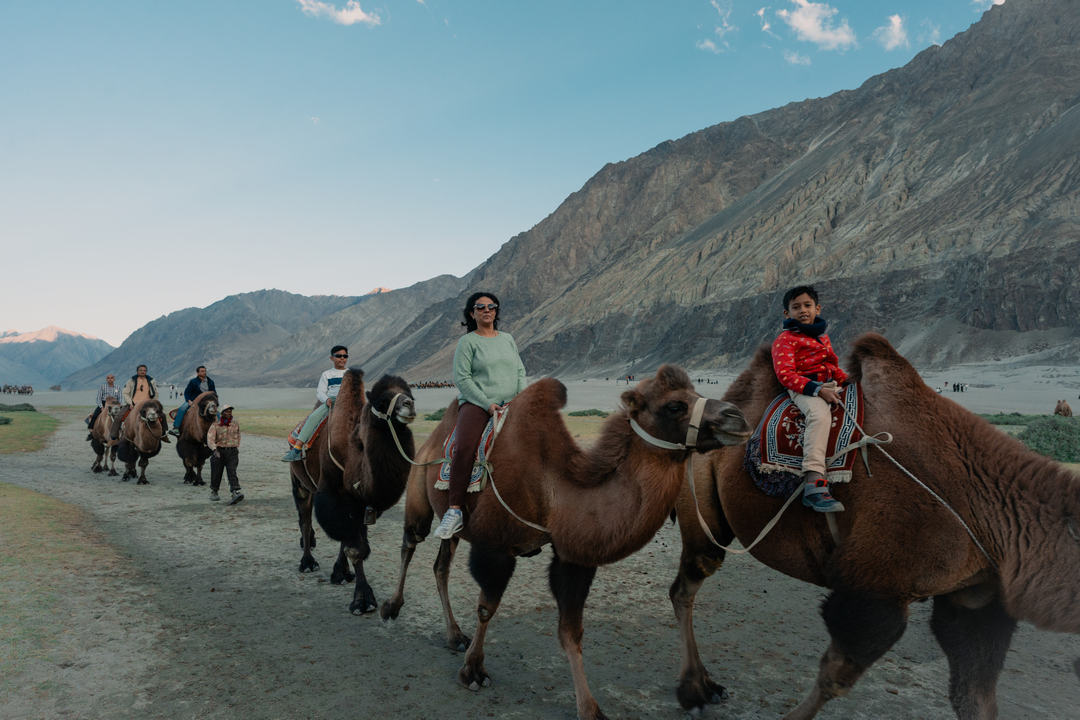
471	421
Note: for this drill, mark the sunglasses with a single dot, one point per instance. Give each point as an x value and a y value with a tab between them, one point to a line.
481	306
339	355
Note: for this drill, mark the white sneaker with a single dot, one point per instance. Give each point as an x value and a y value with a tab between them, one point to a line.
452	522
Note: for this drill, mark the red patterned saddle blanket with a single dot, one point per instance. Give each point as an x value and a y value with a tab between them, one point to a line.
487	442
774	451
294	436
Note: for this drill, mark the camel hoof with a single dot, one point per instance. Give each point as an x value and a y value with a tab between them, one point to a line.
487	682
187	481
113	473
363	607
474	687
96	469
143	481
308	565
339	578
390	610
198	483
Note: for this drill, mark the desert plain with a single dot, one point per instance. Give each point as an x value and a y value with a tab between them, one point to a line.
152	602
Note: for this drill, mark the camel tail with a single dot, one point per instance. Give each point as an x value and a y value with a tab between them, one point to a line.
340	515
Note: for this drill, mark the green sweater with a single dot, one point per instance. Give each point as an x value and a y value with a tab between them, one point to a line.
488	369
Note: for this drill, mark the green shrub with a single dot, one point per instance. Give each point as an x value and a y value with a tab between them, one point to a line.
1011	419
1054	436
21	407
589	413
436	416
5	420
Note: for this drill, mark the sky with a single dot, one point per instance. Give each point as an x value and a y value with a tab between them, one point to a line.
157	156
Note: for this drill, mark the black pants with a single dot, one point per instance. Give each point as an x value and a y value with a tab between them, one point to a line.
93	418
226	459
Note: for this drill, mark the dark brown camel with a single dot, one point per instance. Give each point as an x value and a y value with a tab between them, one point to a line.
599	505
140	438
1062	408
898	544
99	438
191	445
373	480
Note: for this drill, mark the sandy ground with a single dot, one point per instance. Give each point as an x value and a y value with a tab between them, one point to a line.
202	614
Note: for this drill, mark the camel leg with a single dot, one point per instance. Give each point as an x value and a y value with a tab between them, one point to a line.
341	573
197	481
570	585
492	569
456	639
363	600
189	472
112	471
143	462
303	502
975	641
862	630
695	566
392	607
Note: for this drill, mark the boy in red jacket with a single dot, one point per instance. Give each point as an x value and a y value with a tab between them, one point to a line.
806	365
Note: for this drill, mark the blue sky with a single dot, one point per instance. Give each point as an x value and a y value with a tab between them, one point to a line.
156	156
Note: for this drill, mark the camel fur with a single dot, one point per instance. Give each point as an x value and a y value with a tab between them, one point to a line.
191	445
1062	408
99	438
140	438
897	543
373	480
598	505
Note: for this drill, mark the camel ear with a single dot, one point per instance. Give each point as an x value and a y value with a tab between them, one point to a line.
632	399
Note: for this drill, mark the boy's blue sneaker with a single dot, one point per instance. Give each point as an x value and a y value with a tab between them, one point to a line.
292	456
823	502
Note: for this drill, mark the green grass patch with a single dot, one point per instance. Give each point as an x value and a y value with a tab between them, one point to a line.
21	407
1011	419
44	541
270	423
435	416
593	412
27	432
1054	436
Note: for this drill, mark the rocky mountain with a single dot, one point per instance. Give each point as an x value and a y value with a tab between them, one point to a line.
47	356
938	204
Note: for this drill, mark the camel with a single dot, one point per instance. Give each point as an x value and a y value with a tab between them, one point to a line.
372	481
99	440
593	506
191	446
897	543
140	438
1062	408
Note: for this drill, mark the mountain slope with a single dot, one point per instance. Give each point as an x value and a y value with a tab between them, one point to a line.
50	354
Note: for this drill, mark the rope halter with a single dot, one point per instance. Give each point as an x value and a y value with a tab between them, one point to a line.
691	431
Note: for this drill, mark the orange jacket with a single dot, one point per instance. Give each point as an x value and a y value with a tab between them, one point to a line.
802	363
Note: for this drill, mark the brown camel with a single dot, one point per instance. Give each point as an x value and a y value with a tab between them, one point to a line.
598	506
140	438
99	440
191	445
1062	408
373	479
897	543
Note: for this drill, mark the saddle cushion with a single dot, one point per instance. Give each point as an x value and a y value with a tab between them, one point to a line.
774	451
294	436
487	441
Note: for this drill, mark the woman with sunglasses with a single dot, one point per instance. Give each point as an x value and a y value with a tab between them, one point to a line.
329	384
488	373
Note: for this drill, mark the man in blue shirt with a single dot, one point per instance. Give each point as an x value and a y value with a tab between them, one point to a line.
195	387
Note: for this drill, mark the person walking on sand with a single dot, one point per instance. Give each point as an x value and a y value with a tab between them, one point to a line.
223	439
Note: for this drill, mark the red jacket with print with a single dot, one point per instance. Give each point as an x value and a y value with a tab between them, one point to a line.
800	360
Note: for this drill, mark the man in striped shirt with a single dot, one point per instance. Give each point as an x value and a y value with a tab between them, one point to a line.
109	389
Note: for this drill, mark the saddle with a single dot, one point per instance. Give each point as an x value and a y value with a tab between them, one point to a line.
487	442
294	436
774	452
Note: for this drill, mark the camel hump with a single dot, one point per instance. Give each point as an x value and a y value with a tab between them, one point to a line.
208	395
872	350
547	392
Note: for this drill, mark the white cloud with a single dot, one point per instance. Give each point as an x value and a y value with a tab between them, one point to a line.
985	4
795	58
766	26
813	22
930	34
709	45
315	120
349	15
893	35
725	14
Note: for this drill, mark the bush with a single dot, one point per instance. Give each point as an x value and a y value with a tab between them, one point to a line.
1011	419
436	416
21	407
1054	436
5	420
589	413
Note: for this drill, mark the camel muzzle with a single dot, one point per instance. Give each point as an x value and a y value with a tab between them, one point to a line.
151	416
730	426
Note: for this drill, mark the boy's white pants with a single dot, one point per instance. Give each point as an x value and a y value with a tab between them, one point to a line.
816	435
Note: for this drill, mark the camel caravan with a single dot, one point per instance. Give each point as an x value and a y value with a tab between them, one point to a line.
860	480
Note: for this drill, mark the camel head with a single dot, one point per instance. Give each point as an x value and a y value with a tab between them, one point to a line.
663	405
112	407
393	389
208	405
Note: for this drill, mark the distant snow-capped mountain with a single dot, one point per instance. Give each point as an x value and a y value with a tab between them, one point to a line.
52	354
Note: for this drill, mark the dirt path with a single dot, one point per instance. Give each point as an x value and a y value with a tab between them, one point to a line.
205	616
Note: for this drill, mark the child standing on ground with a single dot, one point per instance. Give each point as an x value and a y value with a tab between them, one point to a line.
223	439
806	365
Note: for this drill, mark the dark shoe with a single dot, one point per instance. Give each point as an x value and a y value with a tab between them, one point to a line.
237	496
823	502
174	432
214	496
165	439
89	436
292	456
